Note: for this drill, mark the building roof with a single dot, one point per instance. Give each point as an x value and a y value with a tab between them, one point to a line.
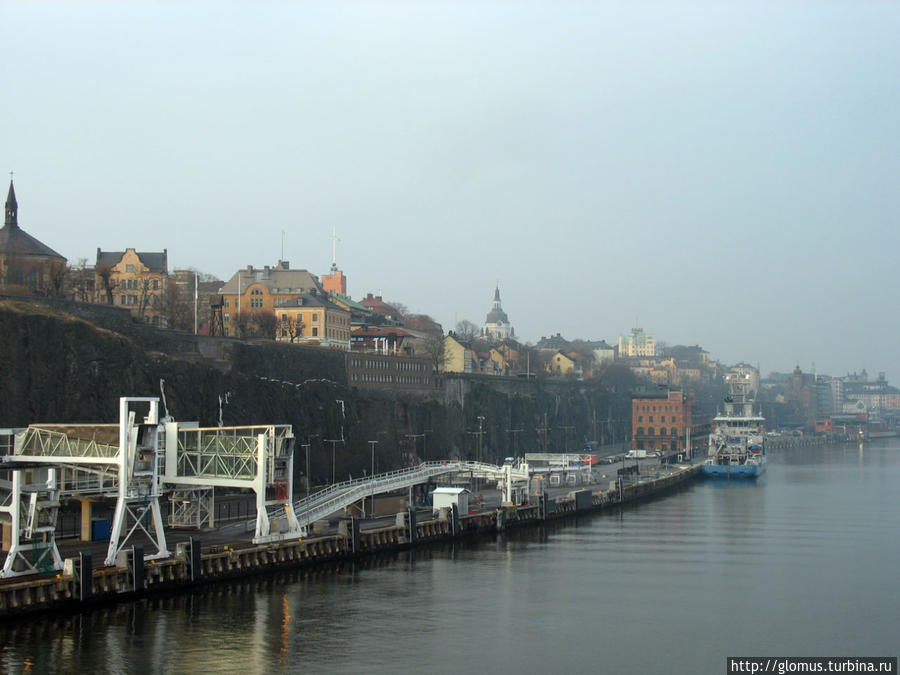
379	331
279	280
600	344
310	300
553	342
14	240
155	261
350	302
379	306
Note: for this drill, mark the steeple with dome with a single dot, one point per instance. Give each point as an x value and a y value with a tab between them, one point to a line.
496	324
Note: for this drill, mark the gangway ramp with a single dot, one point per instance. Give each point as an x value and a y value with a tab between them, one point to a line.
337	497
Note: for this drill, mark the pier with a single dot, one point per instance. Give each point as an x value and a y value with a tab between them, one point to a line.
155	456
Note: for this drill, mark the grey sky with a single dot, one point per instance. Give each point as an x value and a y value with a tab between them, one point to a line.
725	173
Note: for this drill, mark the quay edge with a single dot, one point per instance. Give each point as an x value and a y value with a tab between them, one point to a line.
76	590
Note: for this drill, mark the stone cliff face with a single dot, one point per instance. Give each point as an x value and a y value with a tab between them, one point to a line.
55	367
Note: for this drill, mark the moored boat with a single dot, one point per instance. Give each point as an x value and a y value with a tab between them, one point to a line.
737	444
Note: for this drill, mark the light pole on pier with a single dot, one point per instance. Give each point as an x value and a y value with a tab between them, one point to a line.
567	430
414	437
372	444
333	443
306	446
515	433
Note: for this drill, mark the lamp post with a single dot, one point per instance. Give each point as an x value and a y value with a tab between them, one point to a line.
333	443
414	437
306	446
480	434
372	444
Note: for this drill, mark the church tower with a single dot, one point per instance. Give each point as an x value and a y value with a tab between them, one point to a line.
496	324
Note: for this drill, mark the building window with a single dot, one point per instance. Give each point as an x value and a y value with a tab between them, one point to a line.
156	284
315	317
129	269
315	331
225	319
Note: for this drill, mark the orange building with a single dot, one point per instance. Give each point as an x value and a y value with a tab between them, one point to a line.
335	282
661	421
251	295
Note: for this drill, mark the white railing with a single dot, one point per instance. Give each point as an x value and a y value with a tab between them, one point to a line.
340	495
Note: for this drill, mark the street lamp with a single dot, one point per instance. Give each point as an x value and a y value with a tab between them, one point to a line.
306	445
480	434
333	443
372	444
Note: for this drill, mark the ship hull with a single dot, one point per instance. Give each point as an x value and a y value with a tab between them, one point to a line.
733	471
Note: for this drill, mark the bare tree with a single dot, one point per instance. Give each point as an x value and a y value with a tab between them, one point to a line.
81	280
291	328
57	278
104	270
178	309
617	377
144	298
435	352
467	331
263	325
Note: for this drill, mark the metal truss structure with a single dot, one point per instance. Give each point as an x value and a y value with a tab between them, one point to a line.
134	462
192	507
258	458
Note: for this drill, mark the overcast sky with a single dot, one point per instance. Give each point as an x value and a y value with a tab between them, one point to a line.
720	173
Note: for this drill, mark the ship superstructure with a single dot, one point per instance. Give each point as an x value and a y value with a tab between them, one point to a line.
737	444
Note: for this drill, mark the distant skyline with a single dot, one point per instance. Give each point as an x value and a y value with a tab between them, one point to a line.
725	173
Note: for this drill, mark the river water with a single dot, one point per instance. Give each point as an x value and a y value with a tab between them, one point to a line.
803	562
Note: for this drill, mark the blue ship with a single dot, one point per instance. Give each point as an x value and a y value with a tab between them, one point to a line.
737	444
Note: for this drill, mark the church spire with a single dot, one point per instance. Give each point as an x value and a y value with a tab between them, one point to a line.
12	207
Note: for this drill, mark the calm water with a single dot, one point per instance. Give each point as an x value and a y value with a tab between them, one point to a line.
803	562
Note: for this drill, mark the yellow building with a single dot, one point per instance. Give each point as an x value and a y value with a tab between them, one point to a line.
313	318
561	365
137	281
458	356
501	365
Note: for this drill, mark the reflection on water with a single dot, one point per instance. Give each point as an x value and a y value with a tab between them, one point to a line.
800	562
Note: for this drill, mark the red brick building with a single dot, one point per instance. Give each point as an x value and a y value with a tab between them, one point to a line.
660	421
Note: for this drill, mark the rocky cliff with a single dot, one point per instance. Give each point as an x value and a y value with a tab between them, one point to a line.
58	367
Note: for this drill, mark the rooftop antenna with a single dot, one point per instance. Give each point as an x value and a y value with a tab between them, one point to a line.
334	242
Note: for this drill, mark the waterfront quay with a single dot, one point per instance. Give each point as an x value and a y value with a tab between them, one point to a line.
228	552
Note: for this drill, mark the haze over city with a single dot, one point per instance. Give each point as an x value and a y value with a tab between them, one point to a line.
721	174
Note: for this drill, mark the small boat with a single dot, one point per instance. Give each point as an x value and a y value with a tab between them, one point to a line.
737	445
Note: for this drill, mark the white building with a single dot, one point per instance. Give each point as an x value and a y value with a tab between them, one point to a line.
638	343
496	324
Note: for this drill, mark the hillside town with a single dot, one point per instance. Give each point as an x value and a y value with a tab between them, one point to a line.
391	348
